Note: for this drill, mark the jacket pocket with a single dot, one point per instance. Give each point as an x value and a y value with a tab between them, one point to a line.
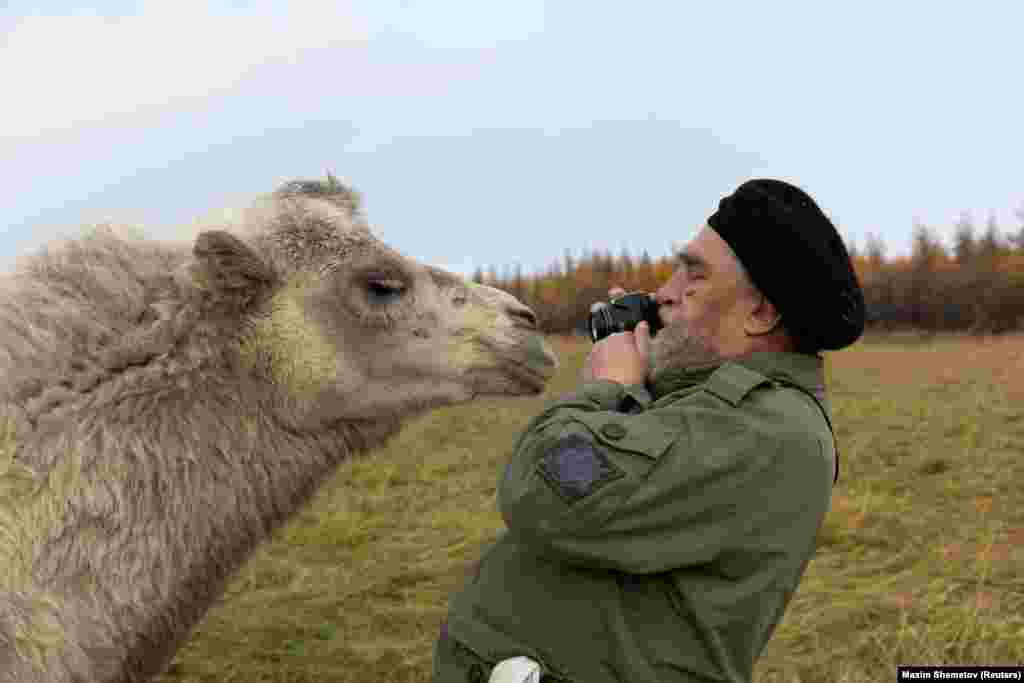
641	434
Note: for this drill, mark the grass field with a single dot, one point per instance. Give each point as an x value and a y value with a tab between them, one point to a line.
919	562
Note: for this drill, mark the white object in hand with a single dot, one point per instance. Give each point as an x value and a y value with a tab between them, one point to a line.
516	670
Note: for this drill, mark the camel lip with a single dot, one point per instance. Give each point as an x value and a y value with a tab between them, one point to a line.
530	357
510	378
538	356
527	375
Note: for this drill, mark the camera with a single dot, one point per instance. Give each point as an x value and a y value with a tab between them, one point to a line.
623	315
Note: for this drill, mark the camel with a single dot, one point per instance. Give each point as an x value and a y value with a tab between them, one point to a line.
164	410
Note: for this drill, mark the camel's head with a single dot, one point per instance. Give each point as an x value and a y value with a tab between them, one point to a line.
348	328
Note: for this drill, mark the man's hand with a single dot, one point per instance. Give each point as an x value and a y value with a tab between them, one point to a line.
621	357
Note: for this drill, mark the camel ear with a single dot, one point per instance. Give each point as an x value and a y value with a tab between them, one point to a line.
229	270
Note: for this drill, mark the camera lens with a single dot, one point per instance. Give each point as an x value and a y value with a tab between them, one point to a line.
600	323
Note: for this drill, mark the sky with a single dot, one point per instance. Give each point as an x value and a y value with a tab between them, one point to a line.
491	134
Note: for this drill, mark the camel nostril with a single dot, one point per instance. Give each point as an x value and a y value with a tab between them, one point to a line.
521	315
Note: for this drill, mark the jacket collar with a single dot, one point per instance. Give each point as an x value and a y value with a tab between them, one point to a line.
802	369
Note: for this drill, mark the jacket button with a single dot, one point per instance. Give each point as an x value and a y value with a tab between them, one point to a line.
613	430
476	673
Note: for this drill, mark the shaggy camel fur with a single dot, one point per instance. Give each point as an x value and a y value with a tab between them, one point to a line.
166	411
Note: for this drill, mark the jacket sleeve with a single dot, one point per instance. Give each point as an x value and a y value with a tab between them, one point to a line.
648	492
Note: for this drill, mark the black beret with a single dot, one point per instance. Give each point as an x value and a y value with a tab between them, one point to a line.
796	258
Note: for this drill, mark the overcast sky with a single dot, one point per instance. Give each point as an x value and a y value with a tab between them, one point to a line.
491	133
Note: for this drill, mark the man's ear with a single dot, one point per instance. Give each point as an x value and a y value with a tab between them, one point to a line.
763	319
233	275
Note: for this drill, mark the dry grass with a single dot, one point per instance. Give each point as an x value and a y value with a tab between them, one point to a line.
919	562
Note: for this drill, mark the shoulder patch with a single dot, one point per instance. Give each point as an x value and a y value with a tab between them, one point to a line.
732	381
575	467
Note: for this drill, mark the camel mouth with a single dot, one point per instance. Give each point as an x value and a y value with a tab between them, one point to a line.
528	367
528	376
512	378
536	366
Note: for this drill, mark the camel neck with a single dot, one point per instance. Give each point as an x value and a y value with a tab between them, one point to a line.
139	523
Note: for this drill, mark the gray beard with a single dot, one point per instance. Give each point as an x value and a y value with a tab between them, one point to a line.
675	346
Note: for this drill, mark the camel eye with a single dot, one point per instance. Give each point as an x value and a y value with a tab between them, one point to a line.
383	290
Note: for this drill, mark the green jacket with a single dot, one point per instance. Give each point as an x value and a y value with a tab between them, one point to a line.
662	543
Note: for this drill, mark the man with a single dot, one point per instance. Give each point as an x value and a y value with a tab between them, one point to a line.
659	519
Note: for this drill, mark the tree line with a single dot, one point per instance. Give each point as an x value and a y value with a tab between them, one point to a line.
974	286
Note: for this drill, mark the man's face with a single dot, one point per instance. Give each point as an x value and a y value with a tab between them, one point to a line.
700	306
